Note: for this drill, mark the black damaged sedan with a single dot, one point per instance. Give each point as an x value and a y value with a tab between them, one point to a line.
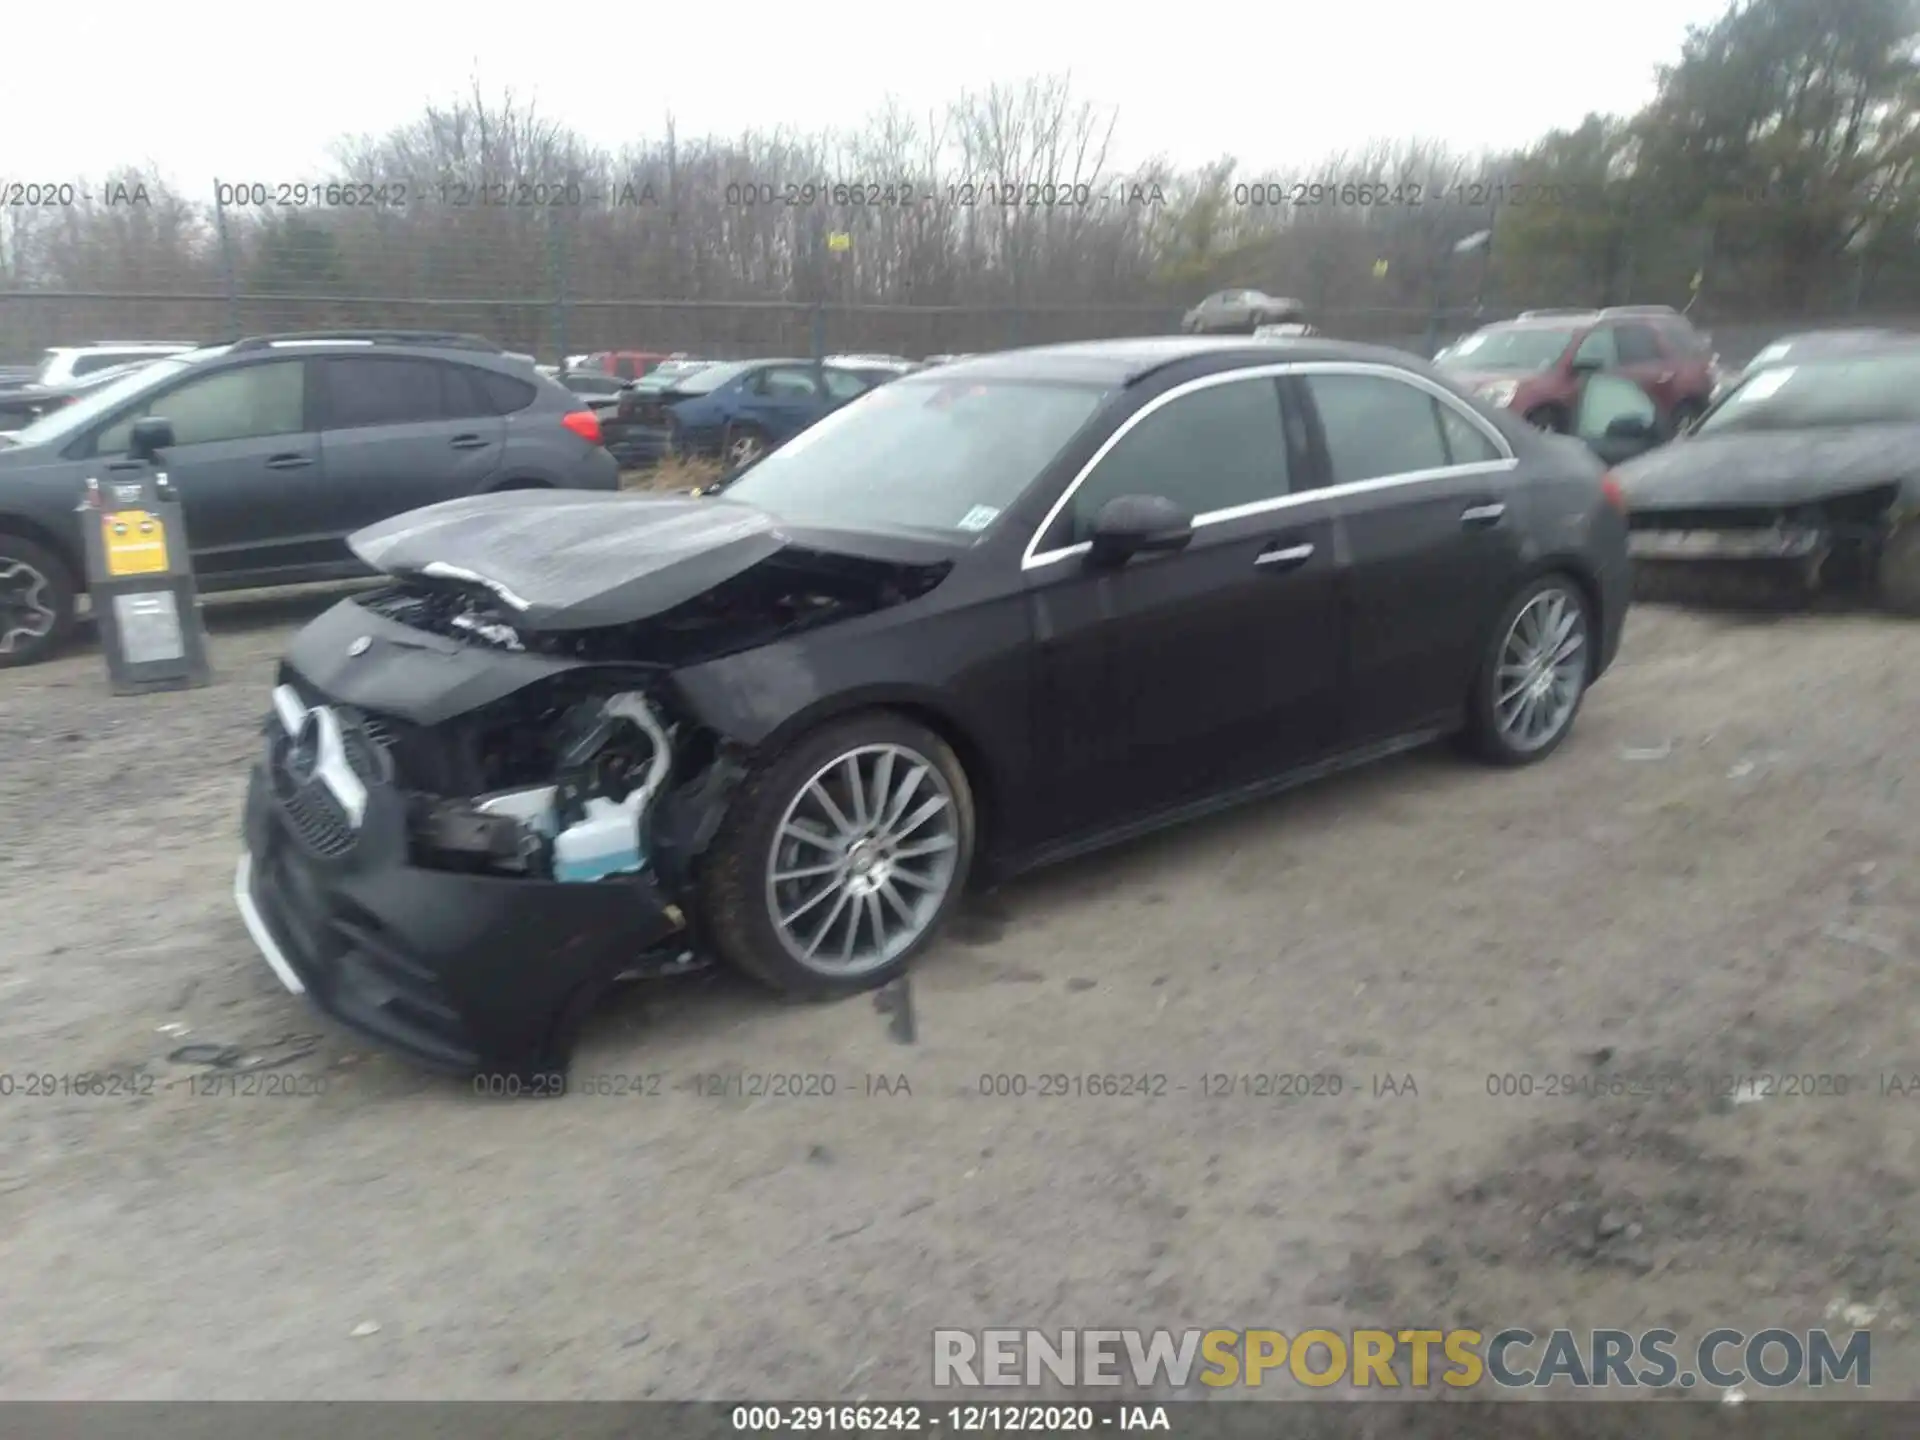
1807	471
983	618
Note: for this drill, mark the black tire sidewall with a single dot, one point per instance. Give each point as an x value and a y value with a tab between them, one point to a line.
1552	413
60	581
1896	580
733	876
1483	727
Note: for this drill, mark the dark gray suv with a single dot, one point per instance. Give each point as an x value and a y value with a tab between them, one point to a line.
284	445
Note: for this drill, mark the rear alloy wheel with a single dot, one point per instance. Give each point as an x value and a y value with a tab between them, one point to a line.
742	446
1897	579
838	863
36	602
1534	675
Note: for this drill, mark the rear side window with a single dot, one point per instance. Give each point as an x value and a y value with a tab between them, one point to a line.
1466	443
625	369
382	391
505	394
1376	427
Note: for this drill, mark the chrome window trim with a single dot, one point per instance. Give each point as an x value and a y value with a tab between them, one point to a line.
1033	558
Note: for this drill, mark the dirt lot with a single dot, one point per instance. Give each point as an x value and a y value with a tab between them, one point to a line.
1715	877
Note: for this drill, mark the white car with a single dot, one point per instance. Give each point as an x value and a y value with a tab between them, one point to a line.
1291	330
64	364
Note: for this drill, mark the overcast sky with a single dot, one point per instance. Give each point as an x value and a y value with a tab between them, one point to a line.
261	93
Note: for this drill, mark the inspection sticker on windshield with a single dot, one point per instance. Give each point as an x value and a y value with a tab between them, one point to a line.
979	517
1764	384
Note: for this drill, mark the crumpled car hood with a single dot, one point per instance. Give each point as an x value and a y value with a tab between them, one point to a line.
1784	467
580	560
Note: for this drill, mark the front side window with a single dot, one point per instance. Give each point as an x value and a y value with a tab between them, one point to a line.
1376	426
1600	349
845	384
1637	345
1211	449
1607	399
243	403
788	383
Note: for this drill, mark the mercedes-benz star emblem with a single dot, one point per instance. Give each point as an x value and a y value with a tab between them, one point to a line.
360	646
303	755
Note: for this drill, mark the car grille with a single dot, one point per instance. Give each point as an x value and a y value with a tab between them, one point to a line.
314	815
392	734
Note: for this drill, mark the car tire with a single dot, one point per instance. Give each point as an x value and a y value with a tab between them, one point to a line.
741	445
1548	417
739	892
1897	573
37	601
1496	712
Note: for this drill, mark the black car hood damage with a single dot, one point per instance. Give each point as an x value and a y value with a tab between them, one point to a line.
565	561
1772	468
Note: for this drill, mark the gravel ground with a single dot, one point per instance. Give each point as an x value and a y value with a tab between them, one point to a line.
1714	877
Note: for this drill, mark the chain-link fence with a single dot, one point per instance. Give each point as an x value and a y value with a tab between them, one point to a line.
551	327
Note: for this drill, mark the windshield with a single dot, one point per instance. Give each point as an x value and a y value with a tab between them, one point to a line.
920	454
1821	394
1518	347
57	425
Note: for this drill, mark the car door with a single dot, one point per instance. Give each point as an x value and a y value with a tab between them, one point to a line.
1183	674
1644	361
1615	418
1430	546
398	432
782	400
245	460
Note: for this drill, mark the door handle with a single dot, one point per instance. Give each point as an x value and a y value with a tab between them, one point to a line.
1482	516
289	462
469	442
1285	557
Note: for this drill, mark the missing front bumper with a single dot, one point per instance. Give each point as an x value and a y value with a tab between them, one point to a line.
1696	545
464	972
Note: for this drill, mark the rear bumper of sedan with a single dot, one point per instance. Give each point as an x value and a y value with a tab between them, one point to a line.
469	973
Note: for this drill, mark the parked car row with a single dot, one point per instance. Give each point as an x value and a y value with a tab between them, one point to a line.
281	446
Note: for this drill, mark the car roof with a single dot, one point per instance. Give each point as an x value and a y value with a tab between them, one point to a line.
1124	362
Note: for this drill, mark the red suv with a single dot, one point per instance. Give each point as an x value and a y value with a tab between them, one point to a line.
1535	365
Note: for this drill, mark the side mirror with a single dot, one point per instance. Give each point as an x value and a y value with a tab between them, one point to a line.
148	437
1630	427
1130	525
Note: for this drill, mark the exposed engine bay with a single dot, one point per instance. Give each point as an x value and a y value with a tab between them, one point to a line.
794	591
561	780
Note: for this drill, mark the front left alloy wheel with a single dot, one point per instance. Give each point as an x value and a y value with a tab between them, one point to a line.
839	862
37	606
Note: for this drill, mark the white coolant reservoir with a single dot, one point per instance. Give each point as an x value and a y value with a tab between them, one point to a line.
605	841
